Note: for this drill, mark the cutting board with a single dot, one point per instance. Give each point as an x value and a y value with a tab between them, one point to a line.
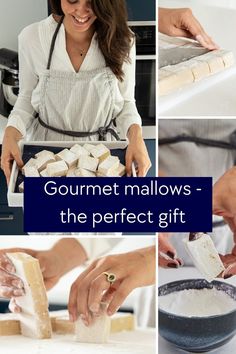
169	101
135	342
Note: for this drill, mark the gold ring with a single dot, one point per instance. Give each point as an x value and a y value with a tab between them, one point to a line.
111	278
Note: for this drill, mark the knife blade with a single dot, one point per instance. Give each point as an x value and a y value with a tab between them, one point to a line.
179	54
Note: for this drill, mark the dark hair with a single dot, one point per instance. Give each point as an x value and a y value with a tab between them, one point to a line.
113	34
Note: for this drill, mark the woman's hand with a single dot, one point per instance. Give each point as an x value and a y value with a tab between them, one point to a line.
167	256
10	151
65	255
10	284
182	23
224	204
91	288
137	152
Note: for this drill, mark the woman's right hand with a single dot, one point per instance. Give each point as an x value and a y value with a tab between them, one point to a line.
167	256
10	151
11	286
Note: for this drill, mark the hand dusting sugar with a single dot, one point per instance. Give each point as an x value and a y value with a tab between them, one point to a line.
198	303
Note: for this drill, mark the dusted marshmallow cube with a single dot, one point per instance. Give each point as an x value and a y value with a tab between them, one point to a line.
227	57
119	172
31	163
9	324
79	150
215	62
45	153
97	332
31	172
44	173
109	165
62	325
71	172
57	169
122	321
81	172
205	256
88	163
101	152
69	157
44	158
89	147
34	315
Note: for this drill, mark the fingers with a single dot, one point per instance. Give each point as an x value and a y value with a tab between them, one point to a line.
10	285
10	152
128	164
143	168
6	263
72	304
119	296
191	25
73	307
97	288
137	153
167	256
230	271
13	307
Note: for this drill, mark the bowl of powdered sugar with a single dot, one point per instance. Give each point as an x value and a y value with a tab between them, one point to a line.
197	316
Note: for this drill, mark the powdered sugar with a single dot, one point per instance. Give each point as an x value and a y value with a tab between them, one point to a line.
199	303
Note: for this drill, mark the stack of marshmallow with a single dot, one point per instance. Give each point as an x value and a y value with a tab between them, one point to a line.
78	161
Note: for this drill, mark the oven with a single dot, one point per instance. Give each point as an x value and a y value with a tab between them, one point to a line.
145	89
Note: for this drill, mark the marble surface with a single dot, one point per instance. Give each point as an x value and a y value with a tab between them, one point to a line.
134	342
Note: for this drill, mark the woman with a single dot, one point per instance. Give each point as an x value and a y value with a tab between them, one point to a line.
77	70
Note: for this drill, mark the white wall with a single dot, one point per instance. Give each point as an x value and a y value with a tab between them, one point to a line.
15	15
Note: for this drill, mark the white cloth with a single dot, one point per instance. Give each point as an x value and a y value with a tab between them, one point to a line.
34	46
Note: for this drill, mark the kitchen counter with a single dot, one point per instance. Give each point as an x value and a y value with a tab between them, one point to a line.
218	99
169	275
135	342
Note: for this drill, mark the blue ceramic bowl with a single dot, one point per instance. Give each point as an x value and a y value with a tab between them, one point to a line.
197	334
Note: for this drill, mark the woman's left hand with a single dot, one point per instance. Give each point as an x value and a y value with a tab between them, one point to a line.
137	153
133	269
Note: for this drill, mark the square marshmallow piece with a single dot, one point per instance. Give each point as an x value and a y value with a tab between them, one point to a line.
205	256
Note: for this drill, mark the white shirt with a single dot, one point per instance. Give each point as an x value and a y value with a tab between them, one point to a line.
34	47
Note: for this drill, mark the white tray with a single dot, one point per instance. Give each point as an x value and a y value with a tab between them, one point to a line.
17	199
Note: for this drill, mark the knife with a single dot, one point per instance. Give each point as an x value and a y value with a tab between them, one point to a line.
176	55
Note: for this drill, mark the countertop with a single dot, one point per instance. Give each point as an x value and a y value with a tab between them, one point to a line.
169	275
220	98
134	342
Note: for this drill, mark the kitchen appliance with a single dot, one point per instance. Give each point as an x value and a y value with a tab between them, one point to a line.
145	89
9	82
